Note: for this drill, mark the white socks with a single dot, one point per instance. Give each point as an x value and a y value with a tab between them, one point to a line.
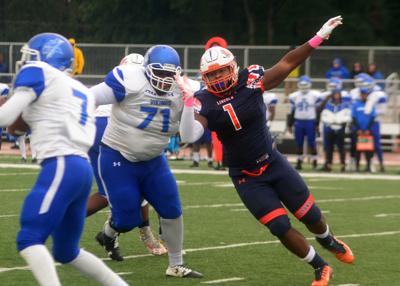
310	255
43	267
96	269
41	264
172	233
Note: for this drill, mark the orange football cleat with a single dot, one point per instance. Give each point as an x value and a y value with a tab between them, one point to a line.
322	276
347	256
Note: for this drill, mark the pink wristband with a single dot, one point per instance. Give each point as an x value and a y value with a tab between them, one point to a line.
315	41
189	102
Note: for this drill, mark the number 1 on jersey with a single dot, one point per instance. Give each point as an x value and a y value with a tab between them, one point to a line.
232	114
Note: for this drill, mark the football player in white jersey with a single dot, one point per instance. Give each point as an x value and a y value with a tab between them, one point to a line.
98	201
146	111
270	101
4	90
304	104
59	111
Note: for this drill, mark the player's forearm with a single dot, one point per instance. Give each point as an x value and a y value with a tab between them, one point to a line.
190	129
13	107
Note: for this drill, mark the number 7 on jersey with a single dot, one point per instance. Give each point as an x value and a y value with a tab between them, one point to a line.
232	115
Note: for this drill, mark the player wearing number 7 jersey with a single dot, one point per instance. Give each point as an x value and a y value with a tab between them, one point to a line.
233	107
59	111
146	111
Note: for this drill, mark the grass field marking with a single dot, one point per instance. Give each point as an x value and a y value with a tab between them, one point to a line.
333	176
19	166
234	205
235	245
223	280
357	199
348	285
18	174
124	273
386	215
9	215
14	190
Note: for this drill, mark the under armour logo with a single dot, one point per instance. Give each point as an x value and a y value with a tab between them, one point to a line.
242	181
115	164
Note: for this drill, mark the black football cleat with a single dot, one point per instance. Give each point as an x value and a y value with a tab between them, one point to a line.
110	245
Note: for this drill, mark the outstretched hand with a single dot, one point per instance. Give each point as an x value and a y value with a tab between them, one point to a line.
186	88
328	27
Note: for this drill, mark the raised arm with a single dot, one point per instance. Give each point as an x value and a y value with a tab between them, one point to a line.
276	74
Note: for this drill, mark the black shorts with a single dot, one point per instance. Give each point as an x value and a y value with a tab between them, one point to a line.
279	186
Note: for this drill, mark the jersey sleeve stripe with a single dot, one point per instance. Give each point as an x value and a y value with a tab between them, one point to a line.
115	80
31	77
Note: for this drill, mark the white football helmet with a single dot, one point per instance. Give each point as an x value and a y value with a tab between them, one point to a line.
304	83
132	59
216	58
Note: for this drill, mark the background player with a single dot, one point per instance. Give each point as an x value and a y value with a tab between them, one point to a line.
146	112
59	111
304	104
232	106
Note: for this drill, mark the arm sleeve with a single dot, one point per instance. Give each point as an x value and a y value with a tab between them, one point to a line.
190	129
103	94
13	107
115	80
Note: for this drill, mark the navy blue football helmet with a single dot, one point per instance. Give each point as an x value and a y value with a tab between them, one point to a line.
50	48
162	63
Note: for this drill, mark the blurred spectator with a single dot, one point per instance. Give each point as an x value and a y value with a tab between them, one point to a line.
373	71
335	116
290	86
79	60
356	70
361	131
338	70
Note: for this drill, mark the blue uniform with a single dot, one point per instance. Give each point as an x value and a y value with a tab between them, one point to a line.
132	165
62	124
263	178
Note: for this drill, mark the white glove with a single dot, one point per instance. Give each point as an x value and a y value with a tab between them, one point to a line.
328	27
186	88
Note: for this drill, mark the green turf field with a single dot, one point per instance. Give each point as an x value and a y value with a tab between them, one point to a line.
223	241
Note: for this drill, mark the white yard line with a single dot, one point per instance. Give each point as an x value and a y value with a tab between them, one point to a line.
386	215
228	246
9	215
224	173
223	280
13	190
18	174
240	205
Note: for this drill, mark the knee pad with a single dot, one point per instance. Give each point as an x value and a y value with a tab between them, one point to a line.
313	216
279	226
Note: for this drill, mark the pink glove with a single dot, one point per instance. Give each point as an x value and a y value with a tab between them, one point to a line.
186	89
325	31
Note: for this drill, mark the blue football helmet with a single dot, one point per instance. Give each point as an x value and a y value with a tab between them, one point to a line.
334	85
50	48
162	63
304	83
365	83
